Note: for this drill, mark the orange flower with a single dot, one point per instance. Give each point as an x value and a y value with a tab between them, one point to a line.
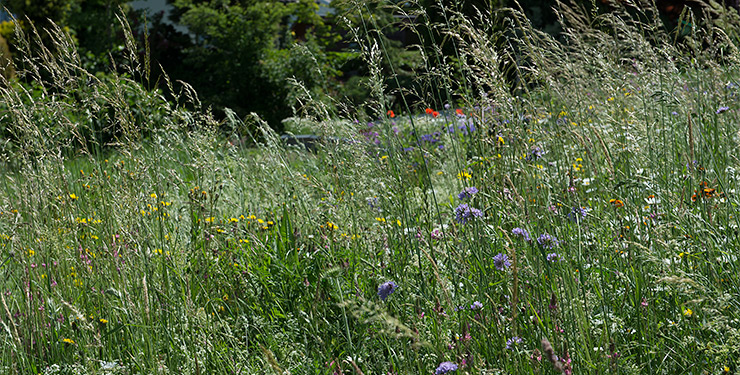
435	113
459	112
391	114
616	202
429	111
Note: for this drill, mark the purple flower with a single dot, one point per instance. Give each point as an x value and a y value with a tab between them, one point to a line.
467	193
476	305
578	213
501	262
385	289
722	109
445	367
534	154
548	241
522	232
464	213
510	343
554	257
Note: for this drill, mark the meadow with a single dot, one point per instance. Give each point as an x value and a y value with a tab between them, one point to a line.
583	222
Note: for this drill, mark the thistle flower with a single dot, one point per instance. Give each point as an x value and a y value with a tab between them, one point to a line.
445	367
468	193
387	288
523	233
501	261
548	241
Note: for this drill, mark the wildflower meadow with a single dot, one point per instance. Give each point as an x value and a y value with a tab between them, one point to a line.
547	205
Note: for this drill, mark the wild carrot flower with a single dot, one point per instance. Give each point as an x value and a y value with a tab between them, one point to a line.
387	288
522	232
548	241
467	193
501	261
465	213
445	367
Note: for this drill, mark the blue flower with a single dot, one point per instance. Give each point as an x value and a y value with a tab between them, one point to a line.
513	341
522	232
467	193
722	109
548	241
554	257
534	154
445	367
464	213
385	289
576	212
476	305
501	262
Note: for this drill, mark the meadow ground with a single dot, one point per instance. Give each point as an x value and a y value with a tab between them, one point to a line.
585	225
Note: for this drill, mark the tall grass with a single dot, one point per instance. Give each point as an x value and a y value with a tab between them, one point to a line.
137	238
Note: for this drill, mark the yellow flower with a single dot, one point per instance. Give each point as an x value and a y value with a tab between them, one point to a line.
464	175
68	341
209	219
687	312
103	321
331	225
153	195
73	197
225	298
380	219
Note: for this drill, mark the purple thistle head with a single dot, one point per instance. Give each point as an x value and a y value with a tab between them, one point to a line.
468	193
387	288
445	367
548	241
510	343
476	305
522	232
554	257
722	109
501	261
465	213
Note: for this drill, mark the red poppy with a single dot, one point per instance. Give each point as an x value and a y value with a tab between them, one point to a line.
429	111
459	112
435	113
391	114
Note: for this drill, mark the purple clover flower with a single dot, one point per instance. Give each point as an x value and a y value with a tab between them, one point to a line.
476	306
445	367
467	193
522	232
548	241
722	109
510	343
465	213
386	289
501	261
554	257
